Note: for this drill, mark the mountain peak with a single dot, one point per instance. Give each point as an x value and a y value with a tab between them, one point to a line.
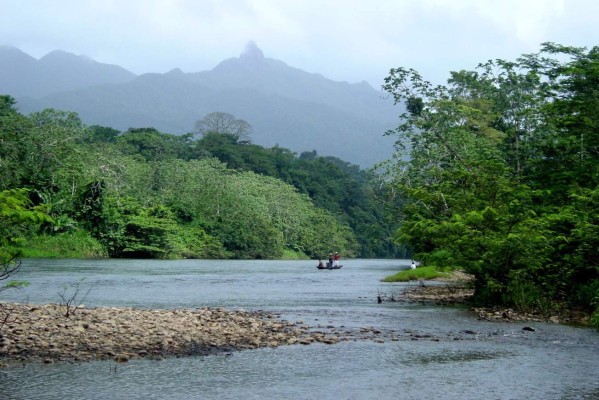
12	52
252	52
59	53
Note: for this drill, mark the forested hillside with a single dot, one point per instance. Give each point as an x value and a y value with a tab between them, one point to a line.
143	193
503	177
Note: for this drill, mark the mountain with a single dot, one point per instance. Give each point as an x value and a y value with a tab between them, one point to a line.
285	106
58	71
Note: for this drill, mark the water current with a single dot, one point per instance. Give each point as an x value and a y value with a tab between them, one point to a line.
442	352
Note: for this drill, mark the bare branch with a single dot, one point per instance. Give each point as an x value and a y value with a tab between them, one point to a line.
72	301
10	266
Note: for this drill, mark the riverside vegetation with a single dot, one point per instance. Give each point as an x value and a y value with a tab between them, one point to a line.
499	177
147	194
497	174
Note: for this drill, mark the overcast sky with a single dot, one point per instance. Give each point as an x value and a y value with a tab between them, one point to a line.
344	40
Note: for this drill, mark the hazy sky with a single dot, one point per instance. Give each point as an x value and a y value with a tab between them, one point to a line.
344	40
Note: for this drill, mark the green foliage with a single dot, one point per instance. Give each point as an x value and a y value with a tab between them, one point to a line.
77	244
15	285
289	254
332	184
18	220
144	193
129	229
426	273
503	174
153	145
18	217
7	105
253	215
103	134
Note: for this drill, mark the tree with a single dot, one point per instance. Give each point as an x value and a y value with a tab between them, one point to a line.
13	129
7	105
103	134
254	216
501	176
136	194
225	124
154	145
18	217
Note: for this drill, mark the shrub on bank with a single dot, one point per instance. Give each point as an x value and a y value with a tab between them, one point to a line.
78	244
407	275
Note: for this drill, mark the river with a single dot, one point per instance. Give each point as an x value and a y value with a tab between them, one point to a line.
442	352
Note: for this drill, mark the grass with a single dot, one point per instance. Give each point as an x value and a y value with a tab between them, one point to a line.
66	245
289	254
425	273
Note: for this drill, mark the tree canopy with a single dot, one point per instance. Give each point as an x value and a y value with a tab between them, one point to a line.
144	193
500	176
224	124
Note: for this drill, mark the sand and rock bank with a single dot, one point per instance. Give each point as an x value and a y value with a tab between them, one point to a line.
44	333
457	289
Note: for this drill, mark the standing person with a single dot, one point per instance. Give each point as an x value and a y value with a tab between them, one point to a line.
336	258
331	260
413	266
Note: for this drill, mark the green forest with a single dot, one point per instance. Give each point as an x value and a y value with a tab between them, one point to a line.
496	173
500	177
147	194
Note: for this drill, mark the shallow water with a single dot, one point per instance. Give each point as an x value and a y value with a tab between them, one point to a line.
495	361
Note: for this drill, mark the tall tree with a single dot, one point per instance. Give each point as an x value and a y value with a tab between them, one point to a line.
501	175
225	124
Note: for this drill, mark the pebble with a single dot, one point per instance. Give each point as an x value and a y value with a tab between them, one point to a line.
45	334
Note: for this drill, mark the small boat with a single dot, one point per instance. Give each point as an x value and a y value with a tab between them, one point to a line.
327	266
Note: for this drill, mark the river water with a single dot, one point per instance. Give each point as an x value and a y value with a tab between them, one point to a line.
441	352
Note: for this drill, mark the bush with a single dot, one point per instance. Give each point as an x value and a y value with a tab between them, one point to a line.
528	298
78	244
426	273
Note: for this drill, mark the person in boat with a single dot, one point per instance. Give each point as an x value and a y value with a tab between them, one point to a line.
336	258
320	264
331	261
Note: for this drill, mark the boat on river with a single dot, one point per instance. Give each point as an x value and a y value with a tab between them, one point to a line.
328	266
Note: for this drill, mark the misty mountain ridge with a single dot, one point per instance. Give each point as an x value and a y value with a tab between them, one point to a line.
285	106
58	71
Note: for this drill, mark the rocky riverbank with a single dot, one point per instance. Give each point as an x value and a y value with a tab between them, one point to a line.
44	333
457	289
454	288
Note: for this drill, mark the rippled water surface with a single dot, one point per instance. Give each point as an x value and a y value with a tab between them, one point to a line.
492	361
